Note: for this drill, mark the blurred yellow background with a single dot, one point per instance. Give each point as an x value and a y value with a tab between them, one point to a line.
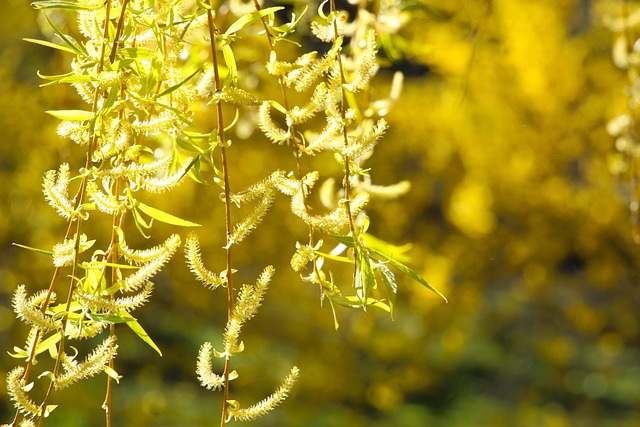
513	214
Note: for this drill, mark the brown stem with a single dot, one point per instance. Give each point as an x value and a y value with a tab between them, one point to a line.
227	197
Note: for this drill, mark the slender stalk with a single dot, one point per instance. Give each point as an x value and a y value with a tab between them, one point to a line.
347	170
227	198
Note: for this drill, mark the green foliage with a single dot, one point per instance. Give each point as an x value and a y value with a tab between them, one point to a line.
153	74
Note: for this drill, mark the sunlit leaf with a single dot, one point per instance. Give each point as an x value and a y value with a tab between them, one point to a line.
60	4
390	250
410	273
137	52
177	86
345	240
335	258
353	302
230	61
48	343
139	331
51	45
250	18
163	216
71	115
40	251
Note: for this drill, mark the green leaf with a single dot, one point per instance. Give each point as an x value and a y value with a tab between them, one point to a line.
140	222
107	318
365	278
336	324
94	264
390	250
40	251
49	342
189	146
193	170
353	302
250	18
177	86
137	52
139	331
389	280
290	27
55	77
70	41
60	4
345	240
71	115
230	61
162	216
51	45
409	272
334	257
82	78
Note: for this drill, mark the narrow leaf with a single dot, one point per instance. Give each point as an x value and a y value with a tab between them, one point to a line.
365	279
162	216
230	60
71	115
70	41
250	18
177	86
390	250
389	280
353	302
334	257
40	251
51	45
59	4
139	331
49	342
345	240
409	272
137	52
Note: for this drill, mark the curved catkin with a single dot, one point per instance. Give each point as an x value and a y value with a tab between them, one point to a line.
17	393
204	369
196	265
28	309
268	404
268	126
93	364
55	187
